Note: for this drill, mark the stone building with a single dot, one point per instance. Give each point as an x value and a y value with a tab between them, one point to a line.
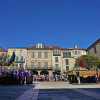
21	56
94	49
2	51
43	59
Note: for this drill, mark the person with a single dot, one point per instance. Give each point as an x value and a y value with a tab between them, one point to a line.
29	78
1	78
14	77
5	77
23	76
18	77
78	77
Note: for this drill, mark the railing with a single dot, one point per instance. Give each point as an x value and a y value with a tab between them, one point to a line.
56	69
42	67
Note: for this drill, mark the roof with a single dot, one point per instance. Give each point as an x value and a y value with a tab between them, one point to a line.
2	49
47	47
73	48
93	44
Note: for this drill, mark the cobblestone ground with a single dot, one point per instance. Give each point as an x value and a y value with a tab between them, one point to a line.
50	91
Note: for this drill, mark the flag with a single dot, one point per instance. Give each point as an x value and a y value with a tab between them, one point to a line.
12	59
80	62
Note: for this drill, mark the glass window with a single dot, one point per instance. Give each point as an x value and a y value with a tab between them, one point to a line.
56	52
76	53
46	54
67	62
95	50
17	58
39	64
57	66
56	59
33	54
45	64
39	54
3	54
66	53
67	68
21	52
73	52
32	64
21	58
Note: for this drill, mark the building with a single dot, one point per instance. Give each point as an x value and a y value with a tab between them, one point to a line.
2	51
21	56
94	49
43	59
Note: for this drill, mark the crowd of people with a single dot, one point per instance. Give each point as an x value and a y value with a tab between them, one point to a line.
8	77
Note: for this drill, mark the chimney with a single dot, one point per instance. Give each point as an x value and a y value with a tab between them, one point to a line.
75	46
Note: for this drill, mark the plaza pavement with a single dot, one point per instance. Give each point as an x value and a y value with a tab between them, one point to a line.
50	91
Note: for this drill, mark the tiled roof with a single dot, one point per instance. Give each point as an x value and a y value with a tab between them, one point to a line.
48	47
73	48
2	49
93	44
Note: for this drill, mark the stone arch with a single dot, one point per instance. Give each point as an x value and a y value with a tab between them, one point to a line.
44	72
35	72
56	72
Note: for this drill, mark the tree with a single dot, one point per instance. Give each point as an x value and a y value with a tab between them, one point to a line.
4	59
89	60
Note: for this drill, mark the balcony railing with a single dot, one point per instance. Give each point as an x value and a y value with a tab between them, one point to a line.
41	68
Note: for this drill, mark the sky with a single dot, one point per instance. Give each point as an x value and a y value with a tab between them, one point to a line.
24	23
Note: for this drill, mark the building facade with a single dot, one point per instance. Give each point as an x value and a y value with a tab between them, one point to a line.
2	51
43	59
94	49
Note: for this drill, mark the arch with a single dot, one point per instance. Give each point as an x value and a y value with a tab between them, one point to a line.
44	72
35	72
56	72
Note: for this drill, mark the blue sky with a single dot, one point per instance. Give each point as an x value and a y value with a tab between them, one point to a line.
52	22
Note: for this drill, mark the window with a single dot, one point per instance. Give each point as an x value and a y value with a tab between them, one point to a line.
17	58
67	62
39	64
21	52
73	52
33	54
95	50
76	53
32	64
45	54
56	52
66	53
45	64
57	66
3	54
39	54
67	68
14	51
21	58
56	59
40	45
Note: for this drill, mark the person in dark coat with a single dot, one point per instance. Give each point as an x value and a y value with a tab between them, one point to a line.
18	77
23	76
78	76
14	77
29	78
1	77
5	77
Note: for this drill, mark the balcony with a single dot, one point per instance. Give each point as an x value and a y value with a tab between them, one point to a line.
40	68
56	69
20	60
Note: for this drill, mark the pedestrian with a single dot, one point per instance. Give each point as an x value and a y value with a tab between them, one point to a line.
78	77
